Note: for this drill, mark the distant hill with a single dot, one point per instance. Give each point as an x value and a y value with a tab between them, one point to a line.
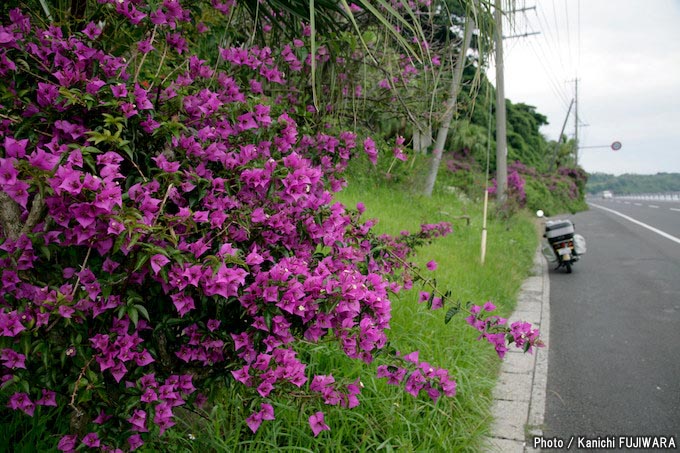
633	184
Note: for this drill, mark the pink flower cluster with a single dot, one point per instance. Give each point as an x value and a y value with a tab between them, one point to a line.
419	376
113	350
515	187
494	330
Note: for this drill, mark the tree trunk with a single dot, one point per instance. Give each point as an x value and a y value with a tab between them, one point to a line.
443	132
421	139
11	225
501	134
10	217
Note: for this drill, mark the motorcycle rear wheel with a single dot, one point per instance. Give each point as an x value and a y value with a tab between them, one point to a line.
568	266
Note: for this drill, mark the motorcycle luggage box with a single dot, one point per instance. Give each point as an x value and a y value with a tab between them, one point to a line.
558	228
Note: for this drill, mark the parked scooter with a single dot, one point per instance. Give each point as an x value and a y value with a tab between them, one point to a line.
563	246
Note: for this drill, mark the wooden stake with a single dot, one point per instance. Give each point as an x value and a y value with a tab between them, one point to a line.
486	203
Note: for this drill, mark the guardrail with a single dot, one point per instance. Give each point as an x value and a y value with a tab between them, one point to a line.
668	196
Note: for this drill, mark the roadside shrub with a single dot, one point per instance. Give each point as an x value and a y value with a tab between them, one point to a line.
168	227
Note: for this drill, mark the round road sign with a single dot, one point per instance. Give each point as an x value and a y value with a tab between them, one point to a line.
616	146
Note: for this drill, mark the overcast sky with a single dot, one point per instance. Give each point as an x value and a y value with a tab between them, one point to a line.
626	56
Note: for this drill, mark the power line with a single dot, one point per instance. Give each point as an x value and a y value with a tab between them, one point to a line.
558	49
540	48
578	35
559	45
552	38
551	46
552	79
554	49
566	14
554	35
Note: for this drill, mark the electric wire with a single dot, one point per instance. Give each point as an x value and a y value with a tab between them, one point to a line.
554	35
555	50
517	29
554	85
542	55
566	15
554	11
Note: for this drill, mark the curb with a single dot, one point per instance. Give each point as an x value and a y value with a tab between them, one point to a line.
519	397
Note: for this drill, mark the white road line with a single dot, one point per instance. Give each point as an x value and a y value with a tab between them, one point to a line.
637	204
675	209
637	222
652	206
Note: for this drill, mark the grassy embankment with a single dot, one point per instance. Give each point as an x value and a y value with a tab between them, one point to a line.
388	418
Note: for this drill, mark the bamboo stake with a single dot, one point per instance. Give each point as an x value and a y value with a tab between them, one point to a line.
486	203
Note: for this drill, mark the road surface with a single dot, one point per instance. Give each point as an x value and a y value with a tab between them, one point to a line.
614	357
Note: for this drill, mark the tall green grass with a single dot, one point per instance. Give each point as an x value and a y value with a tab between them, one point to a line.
389	419
20	433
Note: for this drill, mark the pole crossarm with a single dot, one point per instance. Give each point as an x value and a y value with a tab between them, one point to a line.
524	35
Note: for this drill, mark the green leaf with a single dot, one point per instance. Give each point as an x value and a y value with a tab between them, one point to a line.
84	397
97	137
92	376
141	261
229	259
268	315
106	291
133	296
451	313
376	249
154	250
119	243
128	151
133	314
133	241
144	312
45	251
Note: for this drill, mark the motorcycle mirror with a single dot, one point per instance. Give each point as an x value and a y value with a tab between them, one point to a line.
539	213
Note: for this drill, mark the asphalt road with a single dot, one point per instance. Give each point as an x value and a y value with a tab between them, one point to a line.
614	352
663	215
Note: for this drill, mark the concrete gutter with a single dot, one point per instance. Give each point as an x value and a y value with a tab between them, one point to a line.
519	397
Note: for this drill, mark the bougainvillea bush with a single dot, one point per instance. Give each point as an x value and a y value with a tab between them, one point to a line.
167	226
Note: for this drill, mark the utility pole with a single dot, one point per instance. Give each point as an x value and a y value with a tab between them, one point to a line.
576	121
501	134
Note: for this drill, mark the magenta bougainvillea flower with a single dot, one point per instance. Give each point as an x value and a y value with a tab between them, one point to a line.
317	423
177	228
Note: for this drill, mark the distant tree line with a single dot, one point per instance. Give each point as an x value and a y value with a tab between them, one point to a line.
633	184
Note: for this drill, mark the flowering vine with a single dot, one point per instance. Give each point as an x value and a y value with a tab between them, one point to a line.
167	222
